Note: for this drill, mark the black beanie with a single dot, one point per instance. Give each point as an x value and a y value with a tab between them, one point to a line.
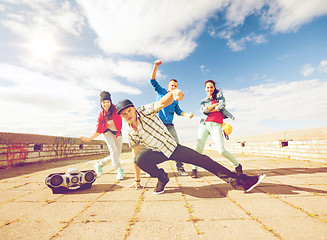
105	96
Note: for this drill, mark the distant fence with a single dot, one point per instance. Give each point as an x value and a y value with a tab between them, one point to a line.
17	149
313	150
304	144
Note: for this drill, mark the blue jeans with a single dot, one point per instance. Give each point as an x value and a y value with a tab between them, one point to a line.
213	129
173	132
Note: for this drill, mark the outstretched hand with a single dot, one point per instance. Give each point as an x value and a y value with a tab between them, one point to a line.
177	94
189	115
85	139
136	185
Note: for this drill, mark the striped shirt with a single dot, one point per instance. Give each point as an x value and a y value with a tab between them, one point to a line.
151	132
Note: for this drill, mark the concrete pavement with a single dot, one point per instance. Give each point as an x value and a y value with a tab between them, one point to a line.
291	203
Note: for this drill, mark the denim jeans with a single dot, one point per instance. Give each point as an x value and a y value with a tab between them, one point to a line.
214	129
115	147
148	159
173	132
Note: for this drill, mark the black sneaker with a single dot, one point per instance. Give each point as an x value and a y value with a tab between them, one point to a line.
194	173
160	188
251	182
182	171
239	170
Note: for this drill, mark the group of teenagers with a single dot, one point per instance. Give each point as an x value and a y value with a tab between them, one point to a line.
153	138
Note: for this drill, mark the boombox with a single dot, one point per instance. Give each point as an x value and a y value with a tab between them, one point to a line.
71	180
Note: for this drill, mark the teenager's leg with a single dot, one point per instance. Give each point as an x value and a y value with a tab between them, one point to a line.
173	132
147	160
218	138
114	150
202	137
188	155
119	145
104	161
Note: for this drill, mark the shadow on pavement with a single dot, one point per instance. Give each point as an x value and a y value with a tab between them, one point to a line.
221	190
277	171
96	188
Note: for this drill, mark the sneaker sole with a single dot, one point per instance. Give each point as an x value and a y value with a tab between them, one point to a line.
259	181
159	192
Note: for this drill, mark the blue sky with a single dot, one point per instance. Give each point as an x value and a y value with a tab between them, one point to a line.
268	57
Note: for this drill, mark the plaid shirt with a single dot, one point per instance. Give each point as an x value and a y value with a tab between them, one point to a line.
151	132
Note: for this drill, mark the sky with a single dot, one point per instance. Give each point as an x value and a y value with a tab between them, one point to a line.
269	58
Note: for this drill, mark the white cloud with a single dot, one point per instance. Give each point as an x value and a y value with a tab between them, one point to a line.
290	15
294	102
282	15
278	15
36	103
238	10
36	89
308	69
94	72
323	66
239	45
164	29
40	17
204	69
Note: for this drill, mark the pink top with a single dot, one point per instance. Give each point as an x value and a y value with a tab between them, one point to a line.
104	117
216	117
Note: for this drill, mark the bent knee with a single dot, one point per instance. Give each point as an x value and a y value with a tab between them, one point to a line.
140	156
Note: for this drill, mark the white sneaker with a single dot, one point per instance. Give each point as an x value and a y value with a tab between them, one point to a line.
120	173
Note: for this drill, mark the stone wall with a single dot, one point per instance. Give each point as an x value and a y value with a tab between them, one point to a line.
305	144
313	150
17	149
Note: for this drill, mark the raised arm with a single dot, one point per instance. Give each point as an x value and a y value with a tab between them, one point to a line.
154	71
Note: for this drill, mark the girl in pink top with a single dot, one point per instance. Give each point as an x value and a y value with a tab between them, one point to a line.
213	109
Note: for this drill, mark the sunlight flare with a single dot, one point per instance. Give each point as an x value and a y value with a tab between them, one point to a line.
43	47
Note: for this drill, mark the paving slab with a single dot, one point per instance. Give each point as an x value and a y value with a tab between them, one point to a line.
289	204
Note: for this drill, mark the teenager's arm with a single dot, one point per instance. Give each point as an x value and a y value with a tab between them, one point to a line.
166	100
154	71
180	112
188	115
137	171
212	108
88	139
